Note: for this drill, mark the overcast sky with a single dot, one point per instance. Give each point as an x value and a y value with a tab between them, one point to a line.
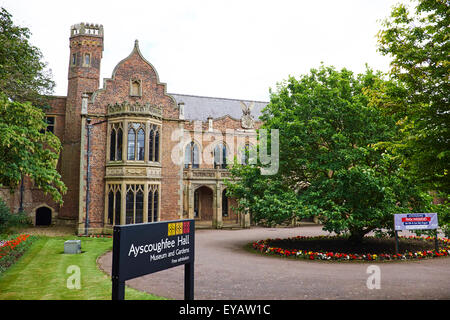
230	49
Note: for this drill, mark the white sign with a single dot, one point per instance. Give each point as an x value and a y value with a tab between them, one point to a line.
415	221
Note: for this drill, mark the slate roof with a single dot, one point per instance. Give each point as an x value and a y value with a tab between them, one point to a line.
200	108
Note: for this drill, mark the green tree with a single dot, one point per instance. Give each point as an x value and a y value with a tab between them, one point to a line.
329	164
27	149
418	43
23	75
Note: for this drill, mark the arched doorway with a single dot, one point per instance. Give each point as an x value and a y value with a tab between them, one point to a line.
203	204
43	216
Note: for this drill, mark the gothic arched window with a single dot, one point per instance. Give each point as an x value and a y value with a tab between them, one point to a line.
220	156
157	146
114	201
111	207
140	144
115	146
136	141
112	147
131	143
153	144
191	155
153	202
139	212
119	144
118	207
155	205
134	203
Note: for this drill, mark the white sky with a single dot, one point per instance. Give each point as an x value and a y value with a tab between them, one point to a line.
230	49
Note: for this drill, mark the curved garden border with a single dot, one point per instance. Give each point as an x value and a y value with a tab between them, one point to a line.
263	247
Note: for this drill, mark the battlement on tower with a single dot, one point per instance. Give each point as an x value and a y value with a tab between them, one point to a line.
85	28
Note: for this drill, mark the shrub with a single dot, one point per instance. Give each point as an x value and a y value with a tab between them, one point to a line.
10	220
4	216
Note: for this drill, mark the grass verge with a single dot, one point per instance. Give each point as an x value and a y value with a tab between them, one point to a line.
42	273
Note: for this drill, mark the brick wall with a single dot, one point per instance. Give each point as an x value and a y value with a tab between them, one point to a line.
171	175
117	90
81	79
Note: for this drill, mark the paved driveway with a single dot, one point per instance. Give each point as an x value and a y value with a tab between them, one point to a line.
224	270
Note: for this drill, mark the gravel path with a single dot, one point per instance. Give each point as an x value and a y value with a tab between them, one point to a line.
224	270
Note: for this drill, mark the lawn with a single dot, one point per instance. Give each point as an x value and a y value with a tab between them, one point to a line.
41	273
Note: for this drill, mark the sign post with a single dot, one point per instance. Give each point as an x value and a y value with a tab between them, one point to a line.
144	248
396	241
415	221
189	281
436	241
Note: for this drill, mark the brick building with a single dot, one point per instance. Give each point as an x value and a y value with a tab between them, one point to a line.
153	155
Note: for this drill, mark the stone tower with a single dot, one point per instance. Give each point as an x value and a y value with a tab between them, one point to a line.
86	50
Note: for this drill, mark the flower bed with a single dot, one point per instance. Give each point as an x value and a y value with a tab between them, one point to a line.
264	247
11	250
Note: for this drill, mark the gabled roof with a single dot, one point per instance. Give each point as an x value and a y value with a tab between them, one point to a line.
200	108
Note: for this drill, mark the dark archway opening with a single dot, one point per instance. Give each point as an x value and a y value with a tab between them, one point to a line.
43	216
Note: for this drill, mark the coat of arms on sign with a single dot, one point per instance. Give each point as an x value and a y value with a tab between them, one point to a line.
171	229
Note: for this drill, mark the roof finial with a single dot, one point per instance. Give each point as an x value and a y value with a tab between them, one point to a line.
136	43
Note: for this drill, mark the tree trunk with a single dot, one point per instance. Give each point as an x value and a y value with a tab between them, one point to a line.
356	236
